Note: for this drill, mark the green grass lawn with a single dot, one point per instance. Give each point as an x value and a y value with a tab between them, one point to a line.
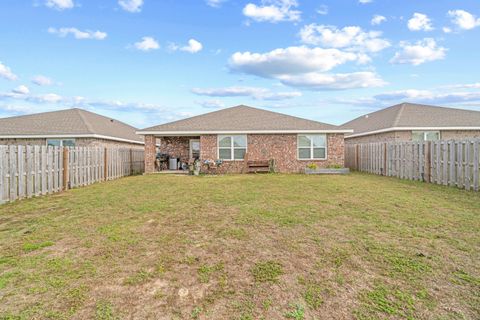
243	247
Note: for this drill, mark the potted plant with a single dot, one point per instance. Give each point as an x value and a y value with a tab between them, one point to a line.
213	165
312	168
194	167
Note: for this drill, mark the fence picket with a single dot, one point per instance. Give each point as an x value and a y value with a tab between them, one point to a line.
27	171
13	173
467	166
3	168
476	165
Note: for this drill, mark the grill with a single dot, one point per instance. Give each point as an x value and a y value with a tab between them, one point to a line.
162	161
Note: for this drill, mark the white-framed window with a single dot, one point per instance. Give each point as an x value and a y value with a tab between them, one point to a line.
425	135
312	146
232	147
61	142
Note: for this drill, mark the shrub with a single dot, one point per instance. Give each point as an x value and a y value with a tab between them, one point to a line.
312	166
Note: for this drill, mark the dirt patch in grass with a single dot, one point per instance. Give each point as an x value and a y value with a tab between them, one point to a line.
243	247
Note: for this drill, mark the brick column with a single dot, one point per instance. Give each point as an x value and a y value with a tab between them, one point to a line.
150	149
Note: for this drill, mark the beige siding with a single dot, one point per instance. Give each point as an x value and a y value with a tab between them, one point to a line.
459	134
382	137
397	136
79	142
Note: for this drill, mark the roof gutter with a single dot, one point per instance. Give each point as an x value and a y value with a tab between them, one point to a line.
196	133
410	129
63	136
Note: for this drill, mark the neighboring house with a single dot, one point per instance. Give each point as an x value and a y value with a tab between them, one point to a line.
414	122
71	127
236	133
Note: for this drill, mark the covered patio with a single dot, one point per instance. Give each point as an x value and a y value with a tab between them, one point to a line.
170	153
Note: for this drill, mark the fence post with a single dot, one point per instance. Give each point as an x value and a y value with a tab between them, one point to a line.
385	159
131	161
356	157
428	163
105	164
66	169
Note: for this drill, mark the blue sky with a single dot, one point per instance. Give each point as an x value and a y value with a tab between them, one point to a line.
147	62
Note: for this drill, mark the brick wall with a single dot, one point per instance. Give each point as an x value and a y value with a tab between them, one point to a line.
280	147
178	147
150	153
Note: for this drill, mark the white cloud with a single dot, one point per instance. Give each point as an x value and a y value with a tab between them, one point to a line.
304	67
131	5
16	109
23	93
40	80
22	89
6	73
351	37
323	10
419	22
431	97
466	86
47	98
463	19
60	4
215	3
446	29
211	104
420	52
193	46
78	34
341	81
365	1
273	11
377	19
253	92
291	60
147	44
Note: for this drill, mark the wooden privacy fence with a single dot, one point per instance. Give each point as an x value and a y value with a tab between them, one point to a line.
27	171
452	163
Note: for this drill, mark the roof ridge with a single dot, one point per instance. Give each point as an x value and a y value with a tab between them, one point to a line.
399	114
288	115
85	122
237	107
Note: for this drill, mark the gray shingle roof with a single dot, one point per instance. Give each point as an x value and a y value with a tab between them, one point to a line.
241	118
67	122
411	115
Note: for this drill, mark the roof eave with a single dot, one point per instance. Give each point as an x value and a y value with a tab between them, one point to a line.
196	133
409	129
54	136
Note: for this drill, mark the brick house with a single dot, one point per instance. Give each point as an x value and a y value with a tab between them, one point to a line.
239	133
70	127
414	122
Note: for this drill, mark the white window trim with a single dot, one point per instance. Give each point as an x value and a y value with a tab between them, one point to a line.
61	141
311	148
232	148
425	132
